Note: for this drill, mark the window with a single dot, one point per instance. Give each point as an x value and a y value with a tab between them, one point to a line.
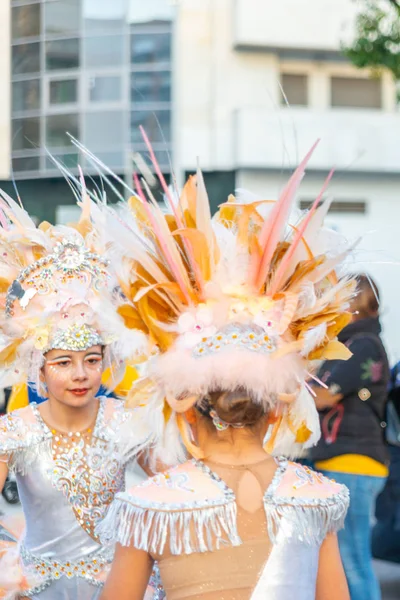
150	12
62	17
27	163
57	127
106	89
26	95
25	21
150	48
104	51
354	92
157	125
295	89
63	91
151	87
111	19
62	54
340	206
104	129
25	133
70	160
26	58
114	160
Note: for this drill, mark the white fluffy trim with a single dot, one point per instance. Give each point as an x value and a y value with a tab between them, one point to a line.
178	373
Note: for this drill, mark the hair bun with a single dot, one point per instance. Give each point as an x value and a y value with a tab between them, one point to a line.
236	407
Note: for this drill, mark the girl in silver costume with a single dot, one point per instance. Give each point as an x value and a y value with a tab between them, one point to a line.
60	329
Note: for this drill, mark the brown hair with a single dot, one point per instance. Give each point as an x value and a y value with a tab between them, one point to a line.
367	299
236	407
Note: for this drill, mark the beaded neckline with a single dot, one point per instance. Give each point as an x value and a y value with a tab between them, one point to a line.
72	435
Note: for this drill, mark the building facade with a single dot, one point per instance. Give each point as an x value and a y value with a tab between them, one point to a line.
95	70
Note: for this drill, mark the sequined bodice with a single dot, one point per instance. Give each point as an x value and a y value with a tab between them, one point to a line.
87	468
66	484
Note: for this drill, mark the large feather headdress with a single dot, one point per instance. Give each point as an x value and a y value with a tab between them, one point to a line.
56	291
247	299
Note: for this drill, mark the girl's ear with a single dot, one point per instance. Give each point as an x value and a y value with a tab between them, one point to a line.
191	416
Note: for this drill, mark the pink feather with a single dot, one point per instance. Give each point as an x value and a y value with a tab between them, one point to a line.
281	271
317	380
275	224
161	178
178	218
162	239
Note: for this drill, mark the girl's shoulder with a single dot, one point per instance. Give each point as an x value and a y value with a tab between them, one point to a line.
298	482
19	428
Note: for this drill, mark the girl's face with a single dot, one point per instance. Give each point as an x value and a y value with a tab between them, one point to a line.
73	378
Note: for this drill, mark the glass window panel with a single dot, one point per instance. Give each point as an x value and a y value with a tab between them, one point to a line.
151	86
63	91
106	89
104	129
62	54
150	48
62	17
25	133
110	19
26	95
25	21
150	12
356	93
152	121
26	58
26	163
57	127
113	160
70	160
104	51
296	89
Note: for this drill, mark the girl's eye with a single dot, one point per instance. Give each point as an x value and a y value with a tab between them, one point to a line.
63	363
94	361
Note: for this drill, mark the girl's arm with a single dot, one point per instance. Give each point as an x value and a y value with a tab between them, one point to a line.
129	576
331	580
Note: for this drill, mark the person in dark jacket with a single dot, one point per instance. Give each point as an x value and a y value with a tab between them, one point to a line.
386	532
352	449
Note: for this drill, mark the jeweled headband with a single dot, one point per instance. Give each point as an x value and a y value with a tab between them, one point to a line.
70	260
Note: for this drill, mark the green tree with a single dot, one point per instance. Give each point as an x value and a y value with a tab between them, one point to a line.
377	37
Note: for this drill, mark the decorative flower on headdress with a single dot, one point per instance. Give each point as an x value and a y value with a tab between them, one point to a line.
41	338
194	327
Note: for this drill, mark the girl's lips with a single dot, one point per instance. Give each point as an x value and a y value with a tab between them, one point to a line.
79	391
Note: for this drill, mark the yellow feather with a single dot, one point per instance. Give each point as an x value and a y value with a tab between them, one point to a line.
334	350
9	354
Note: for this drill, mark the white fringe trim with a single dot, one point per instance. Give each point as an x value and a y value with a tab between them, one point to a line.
22	459
206	529
185	531
308	521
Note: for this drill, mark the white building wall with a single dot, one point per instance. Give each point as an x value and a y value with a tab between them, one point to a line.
228	102
5	91
304	24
